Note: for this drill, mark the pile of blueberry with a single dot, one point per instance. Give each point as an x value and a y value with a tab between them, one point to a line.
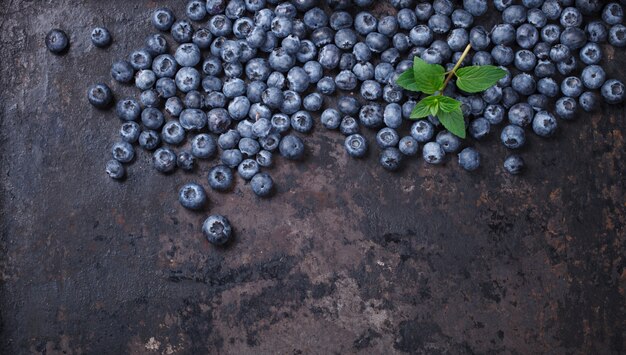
239	79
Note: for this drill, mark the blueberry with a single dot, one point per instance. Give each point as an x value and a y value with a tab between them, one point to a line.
524	84
187	55
280	122
313	102
156	44
270	42
566	108
567	66
613	14
244	128
128	110
192	196
548	87
461	18
326	85
280	60
315	18
262	184
545	68
242	27
129	131
371	115
187	79
248	168
185	160
163	19
248	147
469	159
408	146
229	139
552	9
443	7
527	36
503	55
364	71
551	34
164	160
423	11
150	98
544	124
501	5
101	37
421	35
613	91
203	146
216	228
57	41
448	141
537	18
122	71
220	25
218	120
308	52
525	60
588	101
371	90
479	38
362	52
593	77
264	158
165	66
255	90
145	79
503	34
173	133
115	169
291	102
513	136
571	17
194	100
422	131
298	79
196	10
494	114
392	115
364	22
573	38
458	39
482	58
270	142
591	53
572	86
493	95
479	128
387	137
214	99
291	147
433	153
166	87
235	9
231	157
149	140
596	32
122	152
348	126
182	31
514	15
440	24
329	56
356	145
302	121
101	96
390	159
475	7
281	26
330	118
514	164
340	20
617	36
202	38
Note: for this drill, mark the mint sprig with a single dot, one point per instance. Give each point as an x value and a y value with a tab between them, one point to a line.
431	79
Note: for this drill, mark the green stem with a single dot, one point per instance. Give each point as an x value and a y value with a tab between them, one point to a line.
456	66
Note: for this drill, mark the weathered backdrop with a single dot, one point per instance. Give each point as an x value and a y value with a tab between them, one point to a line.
345	258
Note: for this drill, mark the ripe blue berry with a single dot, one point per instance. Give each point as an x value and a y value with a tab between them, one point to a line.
163	19
57	41
164	160
291	147
217	229
544	124
149	140
613	91
391	158
469	159
262	184
100	96
514	164
433	153
101	37
192	196
115	169
185	160
513	136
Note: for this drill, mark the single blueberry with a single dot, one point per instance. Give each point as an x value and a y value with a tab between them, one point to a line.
216	228
192	196
164	160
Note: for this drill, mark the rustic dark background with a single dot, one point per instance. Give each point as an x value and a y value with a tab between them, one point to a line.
345	258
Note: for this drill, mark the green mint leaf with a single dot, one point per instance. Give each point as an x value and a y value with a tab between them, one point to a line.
453	121
428	77
478	78
406	81
448	104
427	106
420	110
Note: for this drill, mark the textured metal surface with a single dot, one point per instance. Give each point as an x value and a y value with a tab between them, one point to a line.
345	258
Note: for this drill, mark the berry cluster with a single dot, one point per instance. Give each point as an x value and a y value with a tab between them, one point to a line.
245	76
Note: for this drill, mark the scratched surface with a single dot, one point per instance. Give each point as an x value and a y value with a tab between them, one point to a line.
345	258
